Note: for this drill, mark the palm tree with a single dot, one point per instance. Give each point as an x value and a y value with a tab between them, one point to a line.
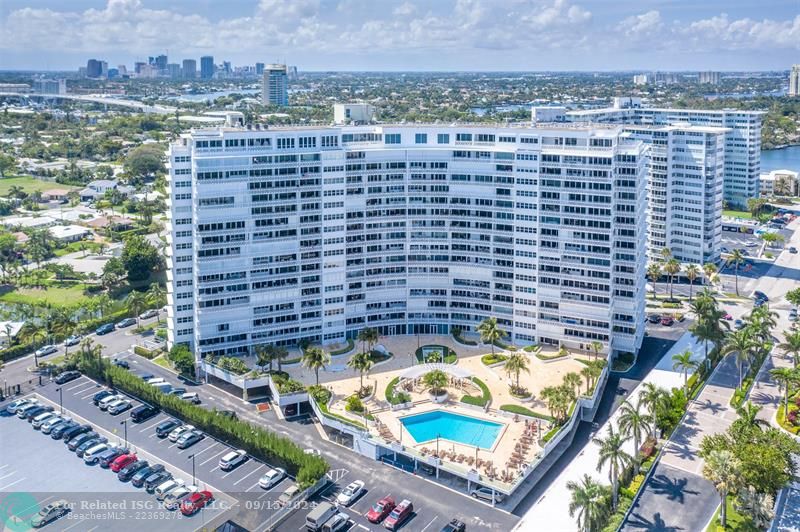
758	506
708	326
589	499
710	272
791	346
739	342
280	353
736	258
633	422
490	331
573	380
586	371
611	453
654	398
671	268
683	362
436	380
516	363
666	254
362	363
156	297
362	337
136	302
692	273
654	274
265	354
371	335
722	469
785	377
315	358
748	416
596	347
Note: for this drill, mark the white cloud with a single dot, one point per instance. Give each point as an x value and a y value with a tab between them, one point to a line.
405	9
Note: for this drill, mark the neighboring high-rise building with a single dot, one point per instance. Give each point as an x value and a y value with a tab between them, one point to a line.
259	69
709	77
94	68
353	113
640	79
189	69
173	70
292	73
742	140
123	70
207	67
160	62
138	66
273	86
226	67
291	234
794	81
103	69
50	86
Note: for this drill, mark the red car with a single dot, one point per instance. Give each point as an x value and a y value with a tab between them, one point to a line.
123	461
399	515
380	510
667	320
727	317
195	501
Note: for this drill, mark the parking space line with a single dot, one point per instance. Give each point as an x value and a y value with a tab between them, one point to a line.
151	426
6	476
11	484
253	486
83	381
88	395
206	461
247	475
207	448
435	517
38	503
4	466
83	387
73	526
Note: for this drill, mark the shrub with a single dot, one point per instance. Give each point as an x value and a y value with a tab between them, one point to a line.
285	384
320	394
16	351
144	352
521	410
486	395
490	359
259	442
354	404
648	447
671	304
458	338
549	436
345	349
542	356
232	364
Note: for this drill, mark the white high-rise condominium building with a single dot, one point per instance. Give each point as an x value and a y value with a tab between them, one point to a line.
287	234
274	86
742	139
708	77
794	81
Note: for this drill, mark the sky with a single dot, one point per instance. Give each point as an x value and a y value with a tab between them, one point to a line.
410	35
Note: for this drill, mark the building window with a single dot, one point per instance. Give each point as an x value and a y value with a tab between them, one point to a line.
421	138
443	138
392	138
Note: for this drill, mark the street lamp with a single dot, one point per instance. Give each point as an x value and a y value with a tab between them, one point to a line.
60	398
194	482
124	423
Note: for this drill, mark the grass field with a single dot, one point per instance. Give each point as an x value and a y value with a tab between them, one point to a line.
735	521
738	214
54	295
29	184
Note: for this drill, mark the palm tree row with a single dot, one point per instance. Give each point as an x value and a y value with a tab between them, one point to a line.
748	343
672	267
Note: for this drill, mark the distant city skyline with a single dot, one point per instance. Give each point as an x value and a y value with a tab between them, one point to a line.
446	35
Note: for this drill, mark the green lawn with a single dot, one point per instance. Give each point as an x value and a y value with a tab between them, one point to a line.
738	214
735	521
29	184
163	362
53	295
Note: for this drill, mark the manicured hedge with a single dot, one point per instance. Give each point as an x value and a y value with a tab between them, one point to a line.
464	341
343	350
490	359
286	384
146	353
542	356
521	410
16	351
486	395
258	441
321	396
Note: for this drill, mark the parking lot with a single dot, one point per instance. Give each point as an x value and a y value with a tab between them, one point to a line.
36	470
251	505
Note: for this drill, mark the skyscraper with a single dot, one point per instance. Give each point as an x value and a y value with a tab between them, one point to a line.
709	77
259	69
273	86
94	68
189	69
207	67
173	70
794	81
161	62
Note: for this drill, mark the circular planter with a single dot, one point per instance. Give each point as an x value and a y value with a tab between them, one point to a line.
438	398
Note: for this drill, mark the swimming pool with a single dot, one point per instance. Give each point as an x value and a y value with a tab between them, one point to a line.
454	427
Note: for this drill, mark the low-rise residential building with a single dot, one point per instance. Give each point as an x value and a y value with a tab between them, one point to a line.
8	331
69	233
779	183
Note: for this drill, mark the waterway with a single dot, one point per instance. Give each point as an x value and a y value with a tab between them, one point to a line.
211	96
782	159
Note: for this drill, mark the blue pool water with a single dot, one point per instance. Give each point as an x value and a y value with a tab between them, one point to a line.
454	427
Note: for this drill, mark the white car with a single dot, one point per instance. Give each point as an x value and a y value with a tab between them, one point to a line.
271	478
350	493
164	489
48	425
106	401
93	453
41	418
233	460
72	340
118	407
13	406
46	350
152	313
173	499
192	397
177	433
156	380
315	452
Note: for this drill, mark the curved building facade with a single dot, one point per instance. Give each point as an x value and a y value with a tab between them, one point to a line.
281	235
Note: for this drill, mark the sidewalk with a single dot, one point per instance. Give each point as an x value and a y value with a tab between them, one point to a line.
552	507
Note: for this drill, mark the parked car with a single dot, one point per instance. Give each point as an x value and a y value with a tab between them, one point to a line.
122	462
88	444
426	468
104	329
39	410
177	496
165	427
380	510
454	525
75	339
145	376
399	515
127	472
190	438
15	405
99	396
67	376
48	426
37	422
288	494
91	456
69	434
192	397
486	494
178	432
58	431
118	407
654	318
350	493
317	517
760	295
50	513
337	523
127	322
109	400
738	324
667	321
151	313
46	350
155	480
143	413
232	460
196	501
163	489
155	380
792	250
727	316
21	410
138	479
177	391
109	455
121	364
793	314
271	478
